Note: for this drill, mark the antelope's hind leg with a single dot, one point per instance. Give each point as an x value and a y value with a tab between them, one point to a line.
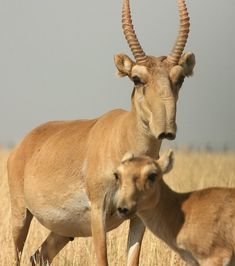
49	249
21	219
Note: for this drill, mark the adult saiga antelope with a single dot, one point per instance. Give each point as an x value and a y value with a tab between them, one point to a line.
199	225
62	172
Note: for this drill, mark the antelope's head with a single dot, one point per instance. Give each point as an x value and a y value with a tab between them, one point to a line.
139	182
157	80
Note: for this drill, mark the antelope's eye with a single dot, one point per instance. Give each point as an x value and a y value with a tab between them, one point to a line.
116	176
137	80
152	177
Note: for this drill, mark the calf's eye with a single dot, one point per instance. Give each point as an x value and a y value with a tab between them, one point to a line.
152	177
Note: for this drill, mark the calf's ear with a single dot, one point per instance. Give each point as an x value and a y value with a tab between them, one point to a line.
127	156
166	161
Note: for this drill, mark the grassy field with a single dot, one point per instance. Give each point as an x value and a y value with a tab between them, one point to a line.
193	170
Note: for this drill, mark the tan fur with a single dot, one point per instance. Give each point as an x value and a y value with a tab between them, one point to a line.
198	225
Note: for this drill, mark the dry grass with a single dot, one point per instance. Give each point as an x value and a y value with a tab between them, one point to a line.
192	170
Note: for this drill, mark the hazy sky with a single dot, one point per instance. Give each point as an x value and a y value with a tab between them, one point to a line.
56	62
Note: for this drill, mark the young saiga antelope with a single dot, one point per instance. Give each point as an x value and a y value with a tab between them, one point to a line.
199	225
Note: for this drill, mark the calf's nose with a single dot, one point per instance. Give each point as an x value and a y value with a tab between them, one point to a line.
123	210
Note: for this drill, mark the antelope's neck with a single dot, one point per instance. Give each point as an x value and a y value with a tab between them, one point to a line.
166	218
138	138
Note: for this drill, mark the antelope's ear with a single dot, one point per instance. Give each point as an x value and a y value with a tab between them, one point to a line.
187	61
127	156
124	65
166	161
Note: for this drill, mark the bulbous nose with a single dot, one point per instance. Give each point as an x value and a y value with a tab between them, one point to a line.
162	135
166	135
170	136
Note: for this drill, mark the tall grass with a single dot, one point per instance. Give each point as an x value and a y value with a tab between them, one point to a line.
193	170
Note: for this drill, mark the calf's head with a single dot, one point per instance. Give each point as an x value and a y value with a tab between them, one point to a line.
157	80
139	182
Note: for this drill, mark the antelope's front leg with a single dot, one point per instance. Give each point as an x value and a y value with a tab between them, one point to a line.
136	233
99	234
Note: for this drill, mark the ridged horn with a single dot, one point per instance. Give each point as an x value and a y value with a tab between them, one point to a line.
182	37
129	32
